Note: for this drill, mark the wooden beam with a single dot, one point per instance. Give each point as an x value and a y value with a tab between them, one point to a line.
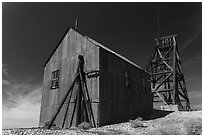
85	99
160	91
161	98
182	88
182	95
159	53
164	48
168	66
61	104
155	65
167	37
174	74
89	101
152	56
65	116
167	52
158	78
164	81
159	73
74	109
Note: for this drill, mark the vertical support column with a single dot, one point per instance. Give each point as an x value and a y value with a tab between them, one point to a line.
175	86
169	81
79	101
78	116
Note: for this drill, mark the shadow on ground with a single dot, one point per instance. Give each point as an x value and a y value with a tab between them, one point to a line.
158	114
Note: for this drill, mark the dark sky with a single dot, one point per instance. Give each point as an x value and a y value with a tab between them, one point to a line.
30	32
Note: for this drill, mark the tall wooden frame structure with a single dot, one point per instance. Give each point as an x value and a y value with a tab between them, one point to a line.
166	75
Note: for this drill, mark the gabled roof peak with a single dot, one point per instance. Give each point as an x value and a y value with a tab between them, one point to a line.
95	43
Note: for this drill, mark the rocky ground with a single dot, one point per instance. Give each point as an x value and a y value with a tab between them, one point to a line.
159	123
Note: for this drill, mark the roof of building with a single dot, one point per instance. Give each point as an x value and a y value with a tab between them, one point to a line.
95	43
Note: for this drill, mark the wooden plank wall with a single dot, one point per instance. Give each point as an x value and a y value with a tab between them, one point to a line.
119	103
65	59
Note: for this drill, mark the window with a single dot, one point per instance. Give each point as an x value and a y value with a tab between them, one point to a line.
127	80
144	91
55	79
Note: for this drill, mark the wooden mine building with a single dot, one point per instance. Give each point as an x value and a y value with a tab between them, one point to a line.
119	91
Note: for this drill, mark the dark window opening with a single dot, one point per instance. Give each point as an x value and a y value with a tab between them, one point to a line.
55	79
144	90
127	81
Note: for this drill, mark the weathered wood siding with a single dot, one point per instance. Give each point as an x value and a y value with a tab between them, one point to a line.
65	59
112	100
119	103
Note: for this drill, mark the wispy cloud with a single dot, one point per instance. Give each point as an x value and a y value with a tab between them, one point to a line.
5	82
6	78
25	114
193	65
195	99
189	41
194	35
20	102
4	70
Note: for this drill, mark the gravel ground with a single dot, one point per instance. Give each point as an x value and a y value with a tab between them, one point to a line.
157	124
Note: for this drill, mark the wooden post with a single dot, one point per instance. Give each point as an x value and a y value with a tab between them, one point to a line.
70	97
61	104
175	86
79	101
76	24
89	101
74	109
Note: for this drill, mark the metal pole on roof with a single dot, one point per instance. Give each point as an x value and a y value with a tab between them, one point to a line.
76	24
158	23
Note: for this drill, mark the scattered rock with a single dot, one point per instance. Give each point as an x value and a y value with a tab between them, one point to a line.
177	123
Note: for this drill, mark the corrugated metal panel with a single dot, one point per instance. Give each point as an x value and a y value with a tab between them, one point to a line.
91	57
65	59
65	48
118	102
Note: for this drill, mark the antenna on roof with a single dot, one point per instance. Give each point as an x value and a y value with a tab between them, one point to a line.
76	24
158	23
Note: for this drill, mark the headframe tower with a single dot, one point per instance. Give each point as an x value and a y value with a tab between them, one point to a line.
166	74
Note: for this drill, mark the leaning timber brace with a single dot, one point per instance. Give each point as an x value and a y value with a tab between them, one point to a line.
166	75
82	103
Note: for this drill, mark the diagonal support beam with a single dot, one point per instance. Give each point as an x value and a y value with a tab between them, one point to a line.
168	66
167	52
162	58
163	81
161	97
